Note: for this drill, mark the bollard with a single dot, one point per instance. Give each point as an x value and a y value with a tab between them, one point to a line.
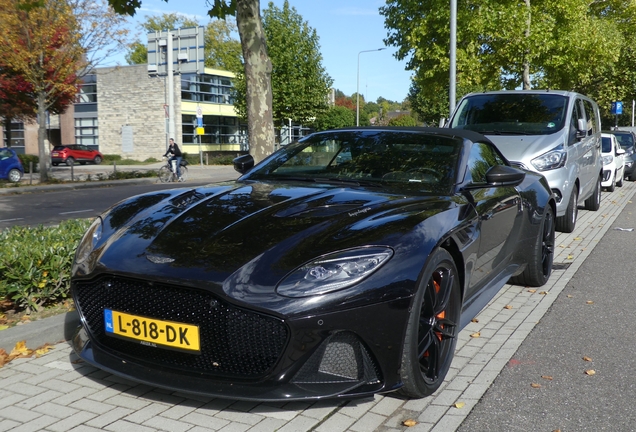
31	172
72	172
115	169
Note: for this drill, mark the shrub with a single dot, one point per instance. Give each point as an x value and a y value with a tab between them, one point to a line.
35	263
26	159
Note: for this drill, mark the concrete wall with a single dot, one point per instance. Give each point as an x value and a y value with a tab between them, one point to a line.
128	97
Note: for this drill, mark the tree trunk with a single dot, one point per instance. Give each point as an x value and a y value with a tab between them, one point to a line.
7	130
526	59
43	163
258	72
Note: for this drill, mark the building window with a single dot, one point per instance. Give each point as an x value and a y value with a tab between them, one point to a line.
218	130
17	136
86	131
88	90
206	88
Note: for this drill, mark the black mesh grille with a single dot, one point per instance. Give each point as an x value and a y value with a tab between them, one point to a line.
234	342
340	358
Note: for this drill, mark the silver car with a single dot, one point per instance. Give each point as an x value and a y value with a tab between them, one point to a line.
556	133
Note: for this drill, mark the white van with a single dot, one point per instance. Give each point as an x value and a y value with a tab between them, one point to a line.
556	133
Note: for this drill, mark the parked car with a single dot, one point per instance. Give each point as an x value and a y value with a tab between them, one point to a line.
626	140
313	276
69	154
613	163
10	166
555	133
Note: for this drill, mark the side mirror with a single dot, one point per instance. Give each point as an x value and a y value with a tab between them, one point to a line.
581	131
620	151
503	175
244	163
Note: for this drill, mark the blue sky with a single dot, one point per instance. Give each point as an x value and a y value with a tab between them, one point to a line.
345	27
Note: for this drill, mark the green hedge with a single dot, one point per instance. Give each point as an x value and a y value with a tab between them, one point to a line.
35	263
26	159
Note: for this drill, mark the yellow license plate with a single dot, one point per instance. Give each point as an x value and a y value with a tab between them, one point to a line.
152	332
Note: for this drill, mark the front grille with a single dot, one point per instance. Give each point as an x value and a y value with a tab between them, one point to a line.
235	342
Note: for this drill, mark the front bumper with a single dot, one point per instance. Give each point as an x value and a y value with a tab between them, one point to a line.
608	177
344	354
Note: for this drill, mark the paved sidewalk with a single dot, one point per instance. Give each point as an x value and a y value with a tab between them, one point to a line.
58	392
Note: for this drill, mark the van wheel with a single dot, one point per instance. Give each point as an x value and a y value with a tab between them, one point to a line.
567	222
593	203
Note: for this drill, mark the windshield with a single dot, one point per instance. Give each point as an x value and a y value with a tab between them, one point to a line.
424	161
607	144
625	140
512	114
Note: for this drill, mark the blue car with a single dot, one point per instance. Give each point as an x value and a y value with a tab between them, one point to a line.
10	166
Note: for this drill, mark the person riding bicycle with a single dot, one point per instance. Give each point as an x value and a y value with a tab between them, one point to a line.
174	153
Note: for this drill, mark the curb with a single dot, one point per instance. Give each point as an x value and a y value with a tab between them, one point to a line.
53	330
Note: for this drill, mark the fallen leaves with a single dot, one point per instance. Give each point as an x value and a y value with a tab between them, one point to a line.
590	372
508	307
589	302
459	405
409	423
475	335
20	350
535	385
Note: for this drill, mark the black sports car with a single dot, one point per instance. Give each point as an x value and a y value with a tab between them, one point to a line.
342	265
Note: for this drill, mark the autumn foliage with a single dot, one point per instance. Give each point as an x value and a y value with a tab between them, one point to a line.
41	57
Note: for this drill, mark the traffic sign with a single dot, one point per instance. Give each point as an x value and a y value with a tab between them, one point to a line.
617	107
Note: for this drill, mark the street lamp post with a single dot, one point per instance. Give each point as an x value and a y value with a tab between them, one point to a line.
358	85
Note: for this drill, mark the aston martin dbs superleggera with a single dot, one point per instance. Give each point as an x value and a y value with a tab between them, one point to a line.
342	265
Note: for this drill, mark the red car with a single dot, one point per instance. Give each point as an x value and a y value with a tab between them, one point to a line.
69	154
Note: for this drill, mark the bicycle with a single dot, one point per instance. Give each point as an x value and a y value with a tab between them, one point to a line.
167	173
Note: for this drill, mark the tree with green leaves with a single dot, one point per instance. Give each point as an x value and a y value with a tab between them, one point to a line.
566	44
335	117
257	66
299	82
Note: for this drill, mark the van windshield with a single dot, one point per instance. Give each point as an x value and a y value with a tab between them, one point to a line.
512	114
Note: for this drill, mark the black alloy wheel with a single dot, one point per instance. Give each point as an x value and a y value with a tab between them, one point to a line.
539	266
433	326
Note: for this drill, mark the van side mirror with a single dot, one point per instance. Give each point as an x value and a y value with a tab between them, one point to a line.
581	130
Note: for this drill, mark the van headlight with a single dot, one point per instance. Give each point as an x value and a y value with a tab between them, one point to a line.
333	272
553	159
608	159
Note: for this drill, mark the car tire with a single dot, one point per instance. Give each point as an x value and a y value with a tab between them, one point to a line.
612	186
567	222
619	183
14	175
433	324
593	203
70	161
539	266
97	160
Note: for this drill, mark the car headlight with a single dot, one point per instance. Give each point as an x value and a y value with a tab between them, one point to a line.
553	159
333	272
608	159
88	242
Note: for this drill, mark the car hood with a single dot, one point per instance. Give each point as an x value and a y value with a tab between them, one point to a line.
524	148
253	234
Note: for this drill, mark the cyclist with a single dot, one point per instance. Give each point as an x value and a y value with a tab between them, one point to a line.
174	153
